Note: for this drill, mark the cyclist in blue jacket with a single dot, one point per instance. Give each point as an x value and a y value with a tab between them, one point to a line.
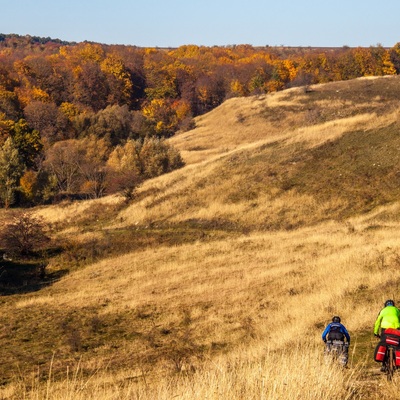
334	337
335	331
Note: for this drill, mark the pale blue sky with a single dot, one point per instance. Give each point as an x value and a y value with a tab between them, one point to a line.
171	23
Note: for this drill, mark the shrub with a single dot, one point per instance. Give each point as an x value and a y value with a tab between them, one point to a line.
24	235
157	157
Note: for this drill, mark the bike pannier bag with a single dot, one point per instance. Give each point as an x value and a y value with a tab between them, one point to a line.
391	331
380	352
397	358
391	336
393	340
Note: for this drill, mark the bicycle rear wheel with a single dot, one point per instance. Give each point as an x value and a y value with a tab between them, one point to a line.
390	363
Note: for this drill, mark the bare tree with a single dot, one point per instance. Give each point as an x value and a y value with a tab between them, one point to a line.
62	161
24	235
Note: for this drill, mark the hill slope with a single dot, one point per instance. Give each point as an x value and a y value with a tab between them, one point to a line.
292	159
286	214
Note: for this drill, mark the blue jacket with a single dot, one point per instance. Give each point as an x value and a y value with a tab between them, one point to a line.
341	327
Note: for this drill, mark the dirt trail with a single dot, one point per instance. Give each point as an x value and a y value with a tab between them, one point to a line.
373	384
368	382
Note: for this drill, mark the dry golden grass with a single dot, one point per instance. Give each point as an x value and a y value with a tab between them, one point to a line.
236	307
66	213
203	189
275	116
299	374
236	122
269	291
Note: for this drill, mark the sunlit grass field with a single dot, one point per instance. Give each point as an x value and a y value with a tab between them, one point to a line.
218	279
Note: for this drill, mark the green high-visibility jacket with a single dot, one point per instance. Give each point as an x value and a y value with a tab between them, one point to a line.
389	317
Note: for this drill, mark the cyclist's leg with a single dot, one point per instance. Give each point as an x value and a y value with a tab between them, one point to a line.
327	352
328	347
343	354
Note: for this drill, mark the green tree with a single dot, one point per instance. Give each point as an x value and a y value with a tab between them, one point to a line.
11	170
27	141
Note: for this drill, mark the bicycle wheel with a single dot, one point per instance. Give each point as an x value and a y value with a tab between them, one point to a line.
390	363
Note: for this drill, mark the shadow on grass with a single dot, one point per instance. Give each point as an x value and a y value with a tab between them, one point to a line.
26	277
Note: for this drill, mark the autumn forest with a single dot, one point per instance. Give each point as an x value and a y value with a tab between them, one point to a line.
83	120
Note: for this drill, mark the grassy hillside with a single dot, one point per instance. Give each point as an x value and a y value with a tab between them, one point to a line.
294	158
218	279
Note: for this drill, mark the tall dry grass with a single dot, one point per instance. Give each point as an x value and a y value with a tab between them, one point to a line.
260	295
297	373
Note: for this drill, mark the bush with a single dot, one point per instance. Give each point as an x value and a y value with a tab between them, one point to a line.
157	157
24	235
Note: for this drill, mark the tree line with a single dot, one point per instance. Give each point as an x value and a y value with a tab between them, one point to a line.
87	119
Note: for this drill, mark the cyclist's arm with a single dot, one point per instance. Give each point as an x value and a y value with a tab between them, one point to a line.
325	332
346	333
377	324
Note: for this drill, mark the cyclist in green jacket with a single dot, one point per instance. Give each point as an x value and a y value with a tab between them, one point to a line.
388	317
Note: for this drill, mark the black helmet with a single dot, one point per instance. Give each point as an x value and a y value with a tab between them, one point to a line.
389	303
336	319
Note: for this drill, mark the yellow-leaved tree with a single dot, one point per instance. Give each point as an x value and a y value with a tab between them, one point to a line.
121	84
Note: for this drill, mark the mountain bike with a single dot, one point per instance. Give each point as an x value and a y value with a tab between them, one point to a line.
337	351
387	351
